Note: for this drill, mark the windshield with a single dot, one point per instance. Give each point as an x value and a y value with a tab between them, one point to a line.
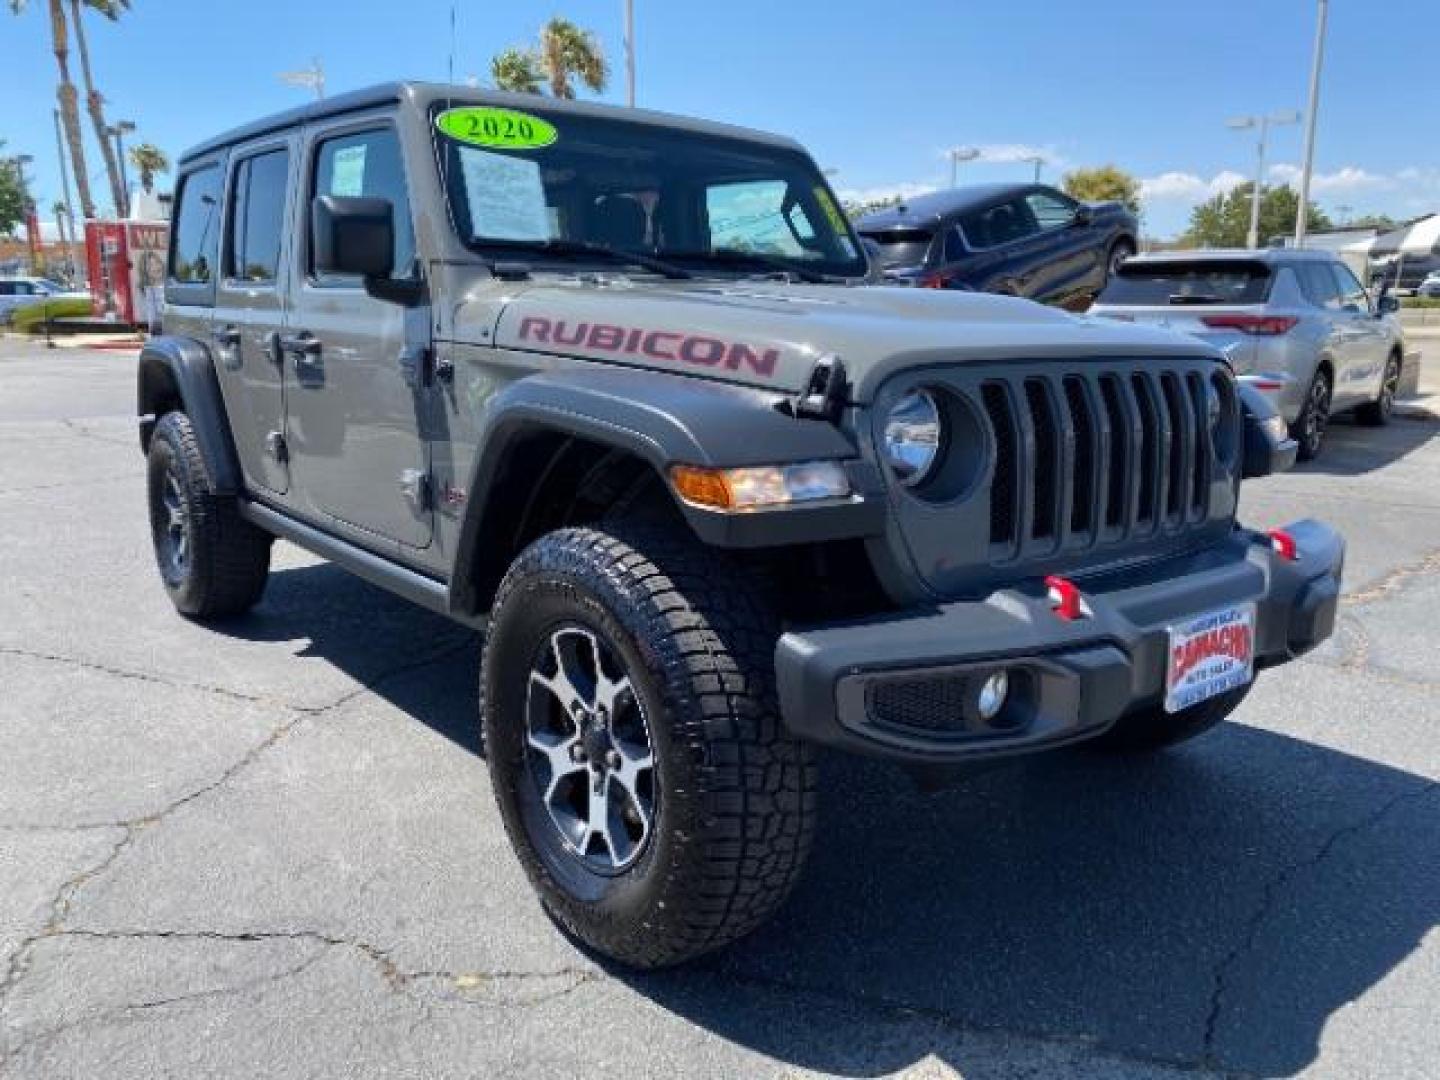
901	247
1203	281
708	204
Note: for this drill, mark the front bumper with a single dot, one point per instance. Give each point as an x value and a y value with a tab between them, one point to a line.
903	686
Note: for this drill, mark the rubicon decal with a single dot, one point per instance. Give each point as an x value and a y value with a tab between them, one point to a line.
664	345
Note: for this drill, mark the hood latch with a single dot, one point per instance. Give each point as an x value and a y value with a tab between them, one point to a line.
825	390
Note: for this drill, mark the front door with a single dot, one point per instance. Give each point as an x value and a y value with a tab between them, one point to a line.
353	383
1367	344
249	313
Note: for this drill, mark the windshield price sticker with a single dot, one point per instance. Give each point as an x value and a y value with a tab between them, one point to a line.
504	129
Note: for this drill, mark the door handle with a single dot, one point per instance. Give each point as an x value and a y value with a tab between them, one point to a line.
304	345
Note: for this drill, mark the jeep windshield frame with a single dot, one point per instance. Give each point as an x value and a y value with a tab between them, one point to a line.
695	200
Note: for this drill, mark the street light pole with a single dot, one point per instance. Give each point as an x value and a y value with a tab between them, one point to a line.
1317	62
1037	161
956	156
1245	123
630	53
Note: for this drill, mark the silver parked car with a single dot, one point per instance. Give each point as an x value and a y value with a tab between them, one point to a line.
17	292
1296	325
1430	287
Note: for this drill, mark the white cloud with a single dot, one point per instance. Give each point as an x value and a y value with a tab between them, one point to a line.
1187	187
1011	153
866	195
1346	180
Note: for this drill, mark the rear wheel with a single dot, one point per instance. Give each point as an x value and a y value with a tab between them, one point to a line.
1309	427
651	793
1377	413
213	562
1119	252
1154	729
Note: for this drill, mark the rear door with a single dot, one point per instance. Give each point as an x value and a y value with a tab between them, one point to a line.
1367	343
354	391
249	313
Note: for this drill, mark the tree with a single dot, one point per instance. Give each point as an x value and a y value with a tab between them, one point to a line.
516	70
566	53
12	196
1380	222
68	99
1107	183
94	100
1224	221
148	160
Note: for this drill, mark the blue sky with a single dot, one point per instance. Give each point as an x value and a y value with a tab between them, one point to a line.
877	91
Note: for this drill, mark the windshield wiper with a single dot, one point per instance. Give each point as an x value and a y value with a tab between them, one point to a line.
585	247
1196	298
736	257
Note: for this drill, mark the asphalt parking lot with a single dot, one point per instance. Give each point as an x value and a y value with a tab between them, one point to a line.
269	848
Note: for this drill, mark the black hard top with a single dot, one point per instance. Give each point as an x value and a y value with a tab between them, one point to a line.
424	95
925	210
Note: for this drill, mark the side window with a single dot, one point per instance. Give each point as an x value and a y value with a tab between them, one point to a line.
368	163
750	216
195	235
1319	285
1352	293
1050	211
257	218
7	288
997	225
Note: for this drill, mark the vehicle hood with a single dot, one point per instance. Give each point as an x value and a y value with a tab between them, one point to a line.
770	334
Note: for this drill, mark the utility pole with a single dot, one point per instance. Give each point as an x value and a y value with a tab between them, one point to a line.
65	188
1037	161
119	131
630	53
312	78
1302	214
956	156
1246	123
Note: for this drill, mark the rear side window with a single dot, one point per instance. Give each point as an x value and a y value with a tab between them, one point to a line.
257	217
1202	281
368	163
195	236
901	247
1319	285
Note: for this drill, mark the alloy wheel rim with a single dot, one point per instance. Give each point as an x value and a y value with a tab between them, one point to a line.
1390	387
1318	412
589	752
176	524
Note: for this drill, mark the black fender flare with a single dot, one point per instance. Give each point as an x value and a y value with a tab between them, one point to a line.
665	420
178	372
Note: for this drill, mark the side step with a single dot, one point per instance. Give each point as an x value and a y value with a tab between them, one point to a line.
429	593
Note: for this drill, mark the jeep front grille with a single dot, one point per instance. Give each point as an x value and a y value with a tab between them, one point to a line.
1099	457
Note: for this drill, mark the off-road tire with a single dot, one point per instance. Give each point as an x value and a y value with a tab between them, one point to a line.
1377	413
736	793
1308	430
1153	728
228	559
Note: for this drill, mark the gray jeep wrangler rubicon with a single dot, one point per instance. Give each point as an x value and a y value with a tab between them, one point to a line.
610	385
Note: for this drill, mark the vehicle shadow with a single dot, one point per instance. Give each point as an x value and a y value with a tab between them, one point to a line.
1213	905
1351	449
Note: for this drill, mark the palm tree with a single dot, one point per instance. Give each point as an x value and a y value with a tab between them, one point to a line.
516	70
148	160
69	101
94	100
566	50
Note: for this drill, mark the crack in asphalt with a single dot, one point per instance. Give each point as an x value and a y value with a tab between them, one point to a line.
1270	894
63	899
1393	581
142	676
68	484
1355	659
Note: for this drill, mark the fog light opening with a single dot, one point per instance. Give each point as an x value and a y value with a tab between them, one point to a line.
993	693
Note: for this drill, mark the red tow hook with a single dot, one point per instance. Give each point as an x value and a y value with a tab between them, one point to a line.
1283	544
1065	598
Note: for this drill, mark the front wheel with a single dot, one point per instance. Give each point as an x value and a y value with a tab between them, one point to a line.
654	798
1377	413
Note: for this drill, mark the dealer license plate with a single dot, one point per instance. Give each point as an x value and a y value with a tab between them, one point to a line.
1209	655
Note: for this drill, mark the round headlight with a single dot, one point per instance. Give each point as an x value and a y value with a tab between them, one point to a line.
912	436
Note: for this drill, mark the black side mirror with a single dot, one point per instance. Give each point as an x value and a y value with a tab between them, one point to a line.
1268	447
1083	216
352	235
1387	304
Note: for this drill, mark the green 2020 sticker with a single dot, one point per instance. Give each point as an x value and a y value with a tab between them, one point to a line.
504	129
